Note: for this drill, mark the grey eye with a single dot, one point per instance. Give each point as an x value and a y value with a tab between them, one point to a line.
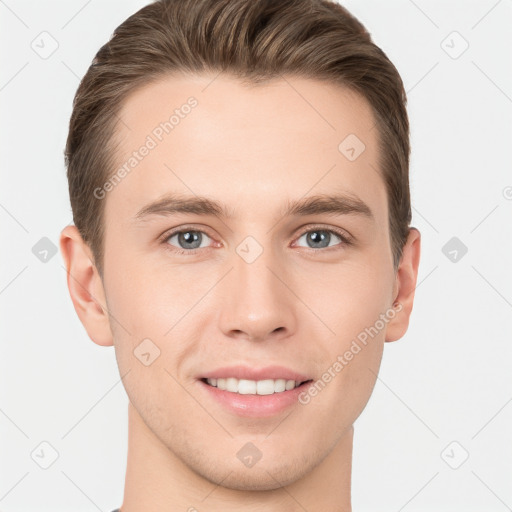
189	239
320	238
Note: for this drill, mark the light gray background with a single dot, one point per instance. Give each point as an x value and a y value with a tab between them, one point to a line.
448	380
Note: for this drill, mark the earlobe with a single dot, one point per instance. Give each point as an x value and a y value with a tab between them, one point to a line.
405	286
85	286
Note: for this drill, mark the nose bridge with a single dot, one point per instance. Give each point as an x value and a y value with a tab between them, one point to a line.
256	302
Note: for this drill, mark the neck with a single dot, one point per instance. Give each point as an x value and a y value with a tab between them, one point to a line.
158	481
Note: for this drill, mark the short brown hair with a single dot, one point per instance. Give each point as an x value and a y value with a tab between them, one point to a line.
254	40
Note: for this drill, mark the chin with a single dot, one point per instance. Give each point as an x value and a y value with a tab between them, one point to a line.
265	475
253	479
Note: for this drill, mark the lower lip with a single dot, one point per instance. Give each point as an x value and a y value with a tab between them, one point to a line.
255	406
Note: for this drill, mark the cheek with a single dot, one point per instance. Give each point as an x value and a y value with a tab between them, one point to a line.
143	300
154	318
350	301
348	297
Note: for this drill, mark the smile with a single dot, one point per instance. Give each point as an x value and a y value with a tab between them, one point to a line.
254	387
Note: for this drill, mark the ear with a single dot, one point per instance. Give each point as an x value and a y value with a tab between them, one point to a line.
85	286
405	285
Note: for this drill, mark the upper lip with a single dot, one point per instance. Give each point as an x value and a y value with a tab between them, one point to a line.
250	373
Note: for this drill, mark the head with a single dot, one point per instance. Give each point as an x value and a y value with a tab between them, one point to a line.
238	175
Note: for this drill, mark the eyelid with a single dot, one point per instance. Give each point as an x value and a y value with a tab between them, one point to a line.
173	231
181	229
346	238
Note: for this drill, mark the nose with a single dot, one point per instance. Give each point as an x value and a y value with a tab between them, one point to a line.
257	300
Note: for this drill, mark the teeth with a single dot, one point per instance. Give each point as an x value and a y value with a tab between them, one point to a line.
290	384
253	387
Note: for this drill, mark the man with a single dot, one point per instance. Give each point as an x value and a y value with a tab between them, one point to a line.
238	173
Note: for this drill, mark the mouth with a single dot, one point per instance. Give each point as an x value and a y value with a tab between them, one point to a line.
246	390
254	387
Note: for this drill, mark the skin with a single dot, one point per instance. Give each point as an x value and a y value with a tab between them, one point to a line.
253	149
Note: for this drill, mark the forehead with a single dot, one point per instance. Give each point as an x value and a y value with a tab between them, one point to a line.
250	145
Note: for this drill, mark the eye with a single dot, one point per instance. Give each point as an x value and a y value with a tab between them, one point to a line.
321	238
187	240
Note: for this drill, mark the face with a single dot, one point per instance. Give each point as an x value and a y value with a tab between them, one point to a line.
232	279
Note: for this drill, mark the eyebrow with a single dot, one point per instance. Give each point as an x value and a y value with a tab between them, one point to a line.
335	204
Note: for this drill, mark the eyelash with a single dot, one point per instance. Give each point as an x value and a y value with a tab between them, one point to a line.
346	240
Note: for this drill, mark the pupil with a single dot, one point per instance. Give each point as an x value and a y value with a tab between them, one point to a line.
190	237
319	238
